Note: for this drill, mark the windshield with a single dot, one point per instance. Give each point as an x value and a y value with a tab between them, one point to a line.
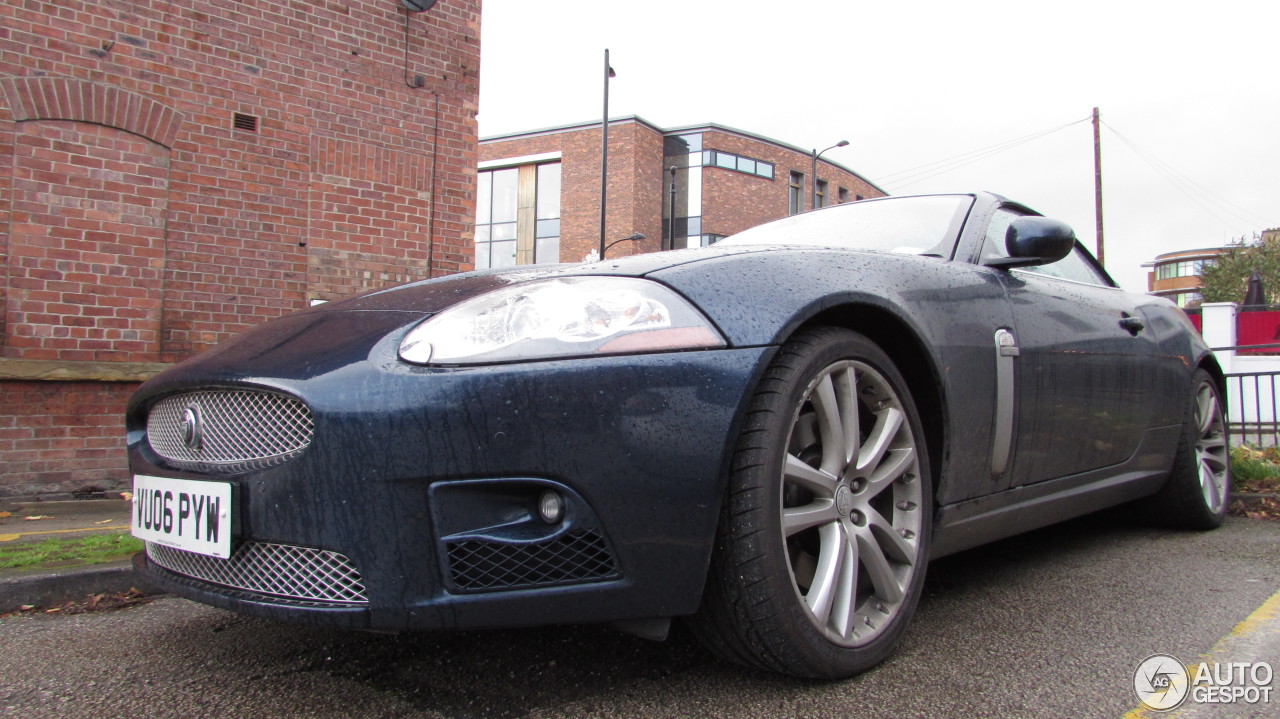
910	225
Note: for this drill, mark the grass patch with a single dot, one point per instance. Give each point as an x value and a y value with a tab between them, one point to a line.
91	549
1255	469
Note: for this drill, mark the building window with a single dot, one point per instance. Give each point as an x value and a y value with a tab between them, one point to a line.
821	191
505	236
682	144
1188	268
682	190
795	194
730	161
1186	299
496	212
547	215
842	195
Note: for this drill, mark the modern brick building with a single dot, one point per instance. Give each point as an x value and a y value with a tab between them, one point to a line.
174	172
1176	275
539	192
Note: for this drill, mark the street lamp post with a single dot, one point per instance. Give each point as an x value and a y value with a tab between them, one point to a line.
671	218
633	237
604	150
813	197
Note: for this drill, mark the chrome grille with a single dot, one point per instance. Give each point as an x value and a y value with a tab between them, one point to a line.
280	570
573	557
237	429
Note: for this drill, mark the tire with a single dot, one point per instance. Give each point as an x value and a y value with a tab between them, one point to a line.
823	538
1195	495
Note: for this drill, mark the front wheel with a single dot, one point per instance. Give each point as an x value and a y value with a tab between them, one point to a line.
823	540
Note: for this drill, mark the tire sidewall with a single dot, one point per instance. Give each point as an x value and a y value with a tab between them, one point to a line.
836	660
1188	470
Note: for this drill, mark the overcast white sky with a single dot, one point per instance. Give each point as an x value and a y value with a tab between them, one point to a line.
1196	87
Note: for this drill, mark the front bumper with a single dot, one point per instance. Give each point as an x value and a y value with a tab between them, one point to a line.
414	472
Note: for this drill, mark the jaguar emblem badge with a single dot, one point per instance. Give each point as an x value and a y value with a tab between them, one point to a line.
190	428
844	501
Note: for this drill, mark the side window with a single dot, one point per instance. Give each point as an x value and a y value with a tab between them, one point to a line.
1075	266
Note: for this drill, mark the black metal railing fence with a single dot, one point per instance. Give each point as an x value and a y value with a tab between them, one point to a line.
1252	416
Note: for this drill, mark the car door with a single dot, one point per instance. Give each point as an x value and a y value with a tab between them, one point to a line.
1082	383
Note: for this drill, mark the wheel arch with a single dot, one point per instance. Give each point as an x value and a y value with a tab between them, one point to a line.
902	343
1209	364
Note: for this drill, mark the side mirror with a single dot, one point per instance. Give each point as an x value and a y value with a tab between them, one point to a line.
1035	241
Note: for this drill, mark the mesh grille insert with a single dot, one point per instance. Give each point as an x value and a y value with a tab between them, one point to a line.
571	557
233	429
280	570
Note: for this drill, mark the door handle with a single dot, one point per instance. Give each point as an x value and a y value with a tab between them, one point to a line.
1133	325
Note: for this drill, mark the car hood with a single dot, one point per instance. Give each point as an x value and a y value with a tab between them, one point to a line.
330	336
429	296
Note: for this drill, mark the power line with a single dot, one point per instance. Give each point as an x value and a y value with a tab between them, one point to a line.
1186	185
911	176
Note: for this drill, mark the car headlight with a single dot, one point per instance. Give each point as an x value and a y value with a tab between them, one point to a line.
564	317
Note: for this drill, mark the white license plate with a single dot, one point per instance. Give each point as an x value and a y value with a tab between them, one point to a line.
182	513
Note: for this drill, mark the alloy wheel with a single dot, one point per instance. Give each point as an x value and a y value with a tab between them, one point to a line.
851	503
1211	447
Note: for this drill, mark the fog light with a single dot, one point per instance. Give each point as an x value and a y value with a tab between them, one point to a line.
551	507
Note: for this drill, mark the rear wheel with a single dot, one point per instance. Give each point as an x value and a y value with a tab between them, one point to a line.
821	550
1195	496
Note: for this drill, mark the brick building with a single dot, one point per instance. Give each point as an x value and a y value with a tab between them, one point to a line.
174	172
1176	275
538	197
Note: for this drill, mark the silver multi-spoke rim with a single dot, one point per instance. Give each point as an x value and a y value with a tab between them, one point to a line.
851	503
1211	447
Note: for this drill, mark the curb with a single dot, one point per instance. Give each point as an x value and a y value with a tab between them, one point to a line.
1254	501
52	587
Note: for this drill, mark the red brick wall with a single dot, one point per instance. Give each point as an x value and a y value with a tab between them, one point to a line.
86	244
138	222
579	189
734	201
68	437
635	189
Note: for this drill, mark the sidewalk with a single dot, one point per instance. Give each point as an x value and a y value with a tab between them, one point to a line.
63	519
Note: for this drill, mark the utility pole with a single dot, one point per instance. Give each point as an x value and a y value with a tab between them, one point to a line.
1097	184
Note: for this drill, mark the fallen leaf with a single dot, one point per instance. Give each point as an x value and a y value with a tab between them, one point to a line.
91	603
34	517
5	514
126	496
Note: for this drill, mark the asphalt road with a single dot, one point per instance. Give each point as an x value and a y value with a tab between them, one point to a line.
1049	624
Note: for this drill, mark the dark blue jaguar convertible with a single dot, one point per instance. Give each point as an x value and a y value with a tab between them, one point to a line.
770	437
